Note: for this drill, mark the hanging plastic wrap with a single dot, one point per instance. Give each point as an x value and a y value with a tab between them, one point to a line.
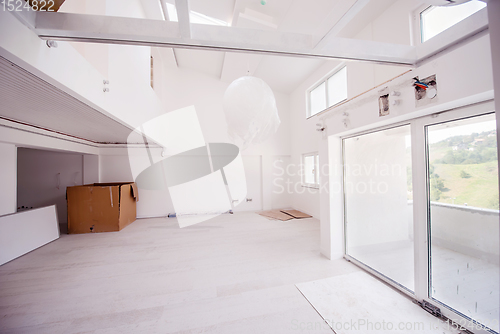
250	109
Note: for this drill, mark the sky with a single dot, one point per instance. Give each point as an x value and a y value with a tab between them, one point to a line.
443	131
467	129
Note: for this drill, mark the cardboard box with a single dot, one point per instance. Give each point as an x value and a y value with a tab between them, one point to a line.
101	207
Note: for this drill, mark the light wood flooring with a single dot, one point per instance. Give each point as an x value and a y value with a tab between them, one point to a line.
232	274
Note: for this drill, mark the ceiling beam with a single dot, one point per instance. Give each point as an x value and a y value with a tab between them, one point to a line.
164	10
236	13
132	31
182	7
344	20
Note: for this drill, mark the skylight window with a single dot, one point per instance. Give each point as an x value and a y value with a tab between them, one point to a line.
172	12
435	20
194	17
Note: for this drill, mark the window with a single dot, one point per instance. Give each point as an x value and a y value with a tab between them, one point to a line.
328	92
194	17
378	206
462	177
310	170
434	20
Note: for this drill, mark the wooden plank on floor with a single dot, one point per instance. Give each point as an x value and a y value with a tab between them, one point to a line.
296	214
276	214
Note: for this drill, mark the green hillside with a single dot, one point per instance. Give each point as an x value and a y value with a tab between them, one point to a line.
479	190
464	169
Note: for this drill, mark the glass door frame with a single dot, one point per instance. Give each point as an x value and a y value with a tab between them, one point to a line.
421	204
349	258
421	220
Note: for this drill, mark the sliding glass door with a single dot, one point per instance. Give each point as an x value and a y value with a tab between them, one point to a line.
378	202
462	169
421	211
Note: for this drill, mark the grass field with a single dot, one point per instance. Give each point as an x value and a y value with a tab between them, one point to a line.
479	190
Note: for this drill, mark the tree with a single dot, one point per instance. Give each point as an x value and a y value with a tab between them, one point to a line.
464	174
436	184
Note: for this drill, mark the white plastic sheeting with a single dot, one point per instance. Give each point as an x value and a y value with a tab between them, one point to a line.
250	109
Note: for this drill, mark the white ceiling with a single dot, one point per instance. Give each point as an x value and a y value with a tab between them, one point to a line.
27	99
321	19
207	62
283	74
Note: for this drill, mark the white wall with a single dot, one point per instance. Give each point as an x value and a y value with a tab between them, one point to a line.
114	166
494	26
467	230
392	26
42	179
183	88
253	174
464	76
90	169
131	100
11	139
79	70
96	54
8	172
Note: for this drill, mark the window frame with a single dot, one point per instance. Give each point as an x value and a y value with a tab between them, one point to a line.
324	80
420	201
316	168
417	26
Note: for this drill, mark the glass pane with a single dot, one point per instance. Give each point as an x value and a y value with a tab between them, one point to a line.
378	202
435	20
318	99
309	169
464	220
337	87
194	17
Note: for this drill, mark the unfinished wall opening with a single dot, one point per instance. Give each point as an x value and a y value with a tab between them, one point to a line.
42	178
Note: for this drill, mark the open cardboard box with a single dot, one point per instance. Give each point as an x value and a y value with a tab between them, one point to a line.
101	207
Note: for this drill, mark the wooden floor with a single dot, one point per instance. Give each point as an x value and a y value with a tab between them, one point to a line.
232	274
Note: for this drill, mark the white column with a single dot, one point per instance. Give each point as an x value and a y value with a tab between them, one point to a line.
8	178
324	181
494	30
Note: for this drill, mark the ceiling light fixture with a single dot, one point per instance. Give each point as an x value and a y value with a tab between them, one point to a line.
250	110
